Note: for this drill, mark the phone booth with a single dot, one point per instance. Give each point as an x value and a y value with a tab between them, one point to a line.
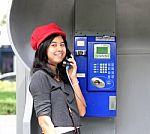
95	55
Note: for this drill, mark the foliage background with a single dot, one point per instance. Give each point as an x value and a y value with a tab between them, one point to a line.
7	97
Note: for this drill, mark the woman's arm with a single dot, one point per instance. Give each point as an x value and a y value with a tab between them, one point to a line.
79	97
78	94
46	125
40	91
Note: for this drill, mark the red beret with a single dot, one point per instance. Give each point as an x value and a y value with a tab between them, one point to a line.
42	32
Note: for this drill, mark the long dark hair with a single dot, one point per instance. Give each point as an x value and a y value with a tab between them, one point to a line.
41	59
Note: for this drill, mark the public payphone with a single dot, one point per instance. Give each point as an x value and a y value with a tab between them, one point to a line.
96	61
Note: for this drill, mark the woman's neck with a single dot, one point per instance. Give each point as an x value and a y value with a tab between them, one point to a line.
53	68
55	71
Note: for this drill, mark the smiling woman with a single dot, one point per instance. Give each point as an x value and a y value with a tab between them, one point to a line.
54	87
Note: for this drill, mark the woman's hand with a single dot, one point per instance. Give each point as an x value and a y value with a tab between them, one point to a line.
46	125
73	69
78	94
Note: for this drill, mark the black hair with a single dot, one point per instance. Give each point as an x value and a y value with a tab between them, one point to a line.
41	59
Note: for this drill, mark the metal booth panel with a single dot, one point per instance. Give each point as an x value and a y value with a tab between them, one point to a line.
133	94
132	26
133	32
95	17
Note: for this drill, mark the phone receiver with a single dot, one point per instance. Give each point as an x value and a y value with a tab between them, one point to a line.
66	63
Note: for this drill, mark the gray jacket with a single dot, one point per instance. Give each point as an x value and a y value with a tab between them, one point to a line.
50	98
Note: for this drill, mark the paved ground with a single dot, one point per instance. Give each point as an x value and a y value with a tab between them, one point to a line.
7	124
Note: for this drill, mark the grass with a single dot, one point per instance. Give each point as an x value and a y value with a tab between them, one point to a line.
7	97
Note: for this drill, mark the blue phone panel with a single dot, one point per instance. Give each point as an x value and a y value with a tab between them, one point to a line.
96	61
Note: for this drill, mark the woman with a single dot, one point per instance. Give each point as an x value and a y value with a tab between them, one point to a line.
58	101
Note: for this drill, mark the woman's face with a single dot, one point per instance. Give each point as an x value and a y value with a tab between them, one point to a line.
56	50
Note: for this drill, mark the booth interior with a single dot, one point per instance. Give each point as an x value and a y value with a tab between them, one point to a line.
123	24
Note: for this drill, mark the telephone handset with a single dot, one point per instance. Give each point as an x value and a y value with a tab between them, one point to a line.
66	63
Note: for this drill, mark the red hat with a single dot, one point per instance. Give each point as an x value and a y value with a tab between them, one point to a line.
42	32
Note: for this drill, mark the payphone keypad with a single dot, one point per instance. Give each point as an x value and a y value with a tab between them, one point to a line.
104	68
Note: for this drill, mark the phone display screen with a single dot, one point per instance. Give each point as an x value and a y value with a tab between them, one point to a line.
102	51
